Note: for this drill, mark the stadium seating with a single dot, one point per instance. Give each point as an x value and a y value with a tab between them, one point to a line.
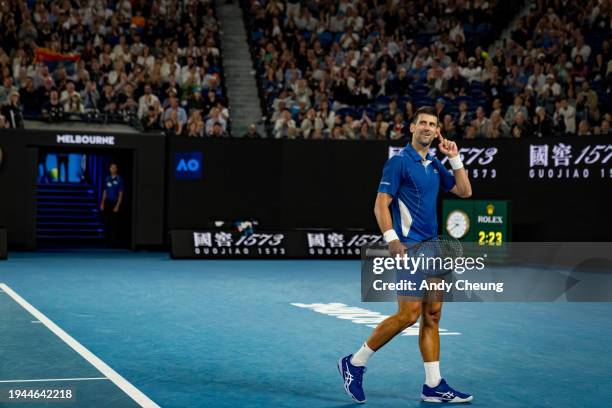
363	72
110	52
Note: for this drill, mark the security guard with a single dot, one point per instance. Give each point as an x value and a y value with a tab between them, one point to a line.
112	197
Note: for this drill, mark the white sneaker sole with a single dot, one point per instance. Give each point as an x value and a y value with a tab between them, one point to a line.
455	400
345	389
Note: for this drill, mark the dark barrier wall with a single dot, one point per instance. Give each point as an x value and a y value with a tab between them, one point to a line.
558	188
282	184
19	168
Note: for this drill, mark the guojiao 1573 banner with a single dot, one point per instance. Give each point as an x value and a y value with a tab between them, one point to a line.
568	158
314	244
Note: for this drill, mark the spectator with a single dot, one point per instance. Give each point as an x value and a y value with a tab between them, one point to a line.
579	70
3	122
481	123
591	102
584	129
581	49
196	101
66	95
604	129
497	106
494	87
147	100
521	127
176	113
542	124
128	110
440	107
310	123
399	128
215	116
252	132
170	127
30	98
499	127
108	101
514	109
284	126
457	84
565	117
195	125
464	118
537	80
90	97
435	80
449	130
6	89
152	119
472	72
74	105
366	129
53	110
217	131
12	111
551	85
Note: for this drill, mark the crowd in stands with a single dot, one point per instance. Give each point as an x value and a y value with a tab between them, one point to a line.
154	64
359	69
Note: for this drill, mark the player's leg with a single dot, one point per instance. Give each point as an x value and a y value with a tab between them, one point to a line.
353	366
429	341
435	388
408	311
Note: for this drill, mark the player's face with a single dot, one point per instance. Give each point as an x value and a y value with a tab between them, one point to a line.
424	130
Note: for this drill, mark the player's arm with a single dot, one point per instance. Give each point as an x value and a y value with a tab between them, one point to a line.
385	223
462	187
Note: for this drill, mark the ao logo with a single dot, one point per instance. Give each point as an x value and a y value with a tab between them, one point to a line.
188	165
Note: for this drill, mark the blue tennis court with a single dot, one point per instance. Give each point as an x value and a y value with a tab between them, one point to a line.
268	333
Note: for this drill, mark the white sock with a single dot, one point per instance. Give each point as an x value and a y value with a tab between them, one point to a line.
432	374
361	357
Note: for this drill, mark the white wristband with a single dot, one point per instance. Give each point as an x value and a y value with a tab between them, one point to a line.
390	235
455	162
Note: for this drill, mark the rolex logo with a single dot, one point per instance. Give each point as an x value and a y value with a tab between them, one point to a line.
490	209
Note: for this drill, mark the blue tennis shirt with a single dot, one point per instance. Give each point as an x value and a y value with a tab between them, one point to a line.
414	184
113	186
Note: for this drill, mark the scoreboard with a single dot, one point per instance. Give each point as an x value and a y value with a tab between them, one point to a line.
485	222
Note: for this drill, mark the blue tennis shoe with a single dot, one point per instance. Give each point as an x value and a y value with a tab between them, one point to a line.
353	377
444	393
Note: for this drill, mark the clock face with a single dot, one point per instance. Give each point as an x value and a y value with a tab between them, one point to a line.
457	224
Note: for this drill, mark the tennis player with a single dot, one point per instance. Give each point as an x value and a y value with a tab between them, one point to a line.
410	184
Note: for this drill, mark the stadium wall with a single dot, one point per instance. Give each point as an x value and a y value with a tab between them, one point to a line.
557	187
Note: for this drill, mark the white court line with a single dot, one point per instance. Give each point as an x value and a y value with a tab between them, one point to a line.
111	374
55	380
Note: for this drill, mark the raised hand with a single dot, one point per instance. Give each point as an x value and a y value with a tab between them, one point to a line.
447	147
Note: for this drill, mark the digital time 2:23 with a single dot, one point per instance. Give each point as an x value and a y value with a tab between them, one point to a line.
490	238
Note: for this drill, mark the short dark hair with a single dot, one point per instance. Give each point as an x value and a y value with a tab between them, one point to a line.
425	110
